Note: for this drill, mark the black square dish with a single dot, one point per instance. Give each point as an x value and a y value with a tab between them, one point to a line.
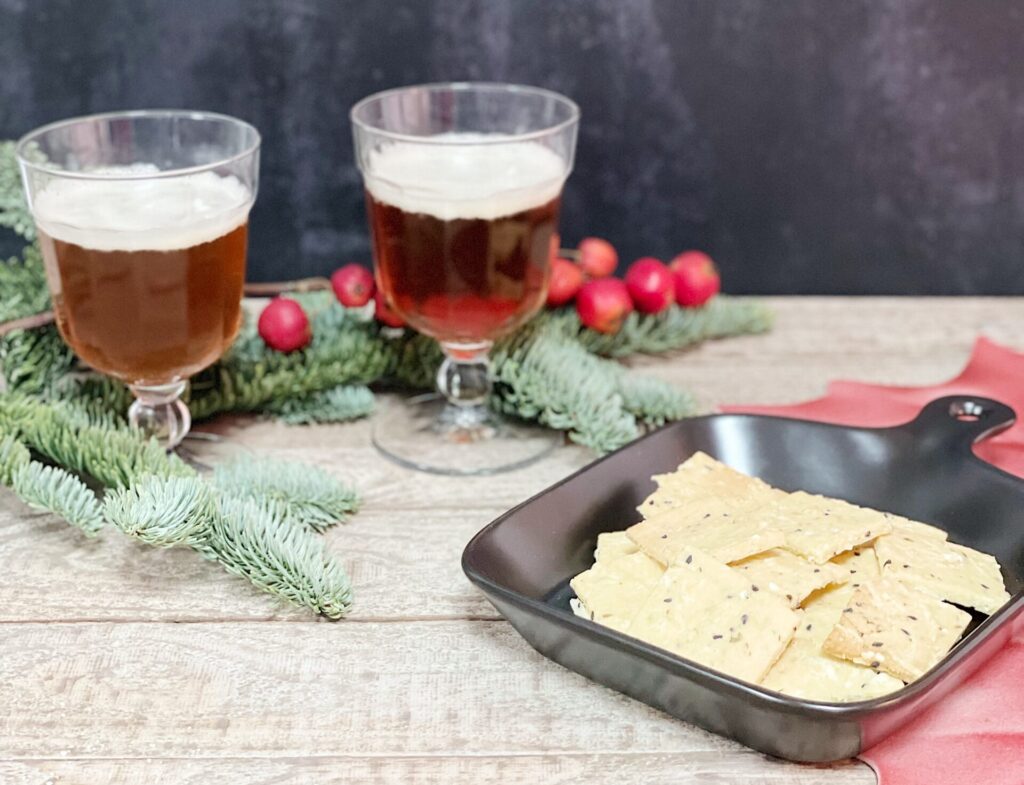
924	470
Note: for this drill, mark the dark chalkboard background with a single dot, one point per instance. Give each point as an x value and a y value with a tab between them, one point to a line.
861	146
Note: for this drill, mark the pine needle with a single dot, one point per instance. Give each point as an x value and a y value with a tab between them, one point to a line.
338	404
544	377
86	442
250	540
307	496
14	213
52	489
13	455
162	511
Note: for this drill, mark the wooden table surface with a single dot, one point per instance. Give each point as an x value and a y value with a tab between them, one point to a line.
121	663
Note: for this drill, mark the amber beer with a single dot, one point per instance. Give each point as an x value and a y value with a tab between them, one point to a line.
462	235
146	281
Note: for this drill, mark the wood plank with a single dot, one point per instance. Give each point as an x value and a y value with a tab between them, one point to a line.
448	688
403	564
694	768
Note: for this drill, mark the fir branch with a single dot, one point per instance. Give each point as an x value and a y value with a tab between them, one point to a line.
14	212
673	328
652	401
543	376
86	443
23	283
162	511
338	404
307	495
13	455
52	489
345	350
252	541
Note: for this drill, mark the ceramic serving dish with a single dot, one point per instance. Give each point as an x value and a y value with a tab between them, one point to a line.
924	469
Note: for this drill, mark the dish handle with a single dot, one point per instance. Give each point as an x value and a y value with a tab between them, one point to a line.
960	421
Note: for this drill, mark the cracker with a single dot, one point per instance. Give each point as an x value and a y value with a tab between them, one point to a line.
705	611
789	576
901	525
819	528
951	572
803	671
896	629
701	476
859	565
612	590
717	527
611	545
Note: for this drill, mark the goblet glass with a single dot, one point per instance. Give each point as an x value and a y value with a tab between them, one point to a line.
143	221
463	186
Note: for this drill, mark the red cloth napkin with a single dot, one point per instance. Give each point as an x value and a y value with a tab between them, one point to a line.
975	736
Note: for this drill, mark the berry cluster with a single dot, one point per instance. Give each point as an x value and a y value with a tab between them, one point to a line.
650	286
284	325
602	301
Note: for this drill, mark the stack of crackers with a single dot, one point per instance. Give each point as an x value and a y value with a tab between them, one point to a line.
809	596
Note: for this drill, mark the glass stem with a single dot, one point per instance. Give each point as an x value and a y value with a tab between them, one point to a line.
464	379
159	413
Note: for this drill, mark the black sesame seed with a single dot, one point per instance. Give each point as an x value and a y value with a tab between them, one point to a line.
853	572
716	637
876	644
664	536
984	586
667	599
906	566
887	562
744	618
875	663
707	515
816	569
912	618
754	587
689	559
847	610
808	627
867	534
904	632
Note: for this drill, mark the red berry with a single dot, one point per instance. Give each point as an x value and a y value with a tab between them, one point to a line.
284	326
697	279
353	285
383	313
651	285
566	280
598	257
603	304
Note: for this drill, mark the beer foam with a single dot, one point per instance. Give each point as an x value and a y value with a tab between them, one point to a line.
465	180
158	214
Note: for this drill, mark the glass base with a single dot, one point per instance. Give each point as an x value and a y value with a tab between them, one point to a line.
429	434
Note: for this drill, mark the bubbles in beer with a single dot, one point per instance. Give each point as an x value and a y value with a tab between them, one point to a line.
134	211
450	177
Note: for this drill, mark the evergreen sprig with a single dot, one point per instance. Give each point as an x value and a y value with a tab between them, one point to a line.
162	511
14	213
305	495
251	540
52	489
338	404
85	442
13	455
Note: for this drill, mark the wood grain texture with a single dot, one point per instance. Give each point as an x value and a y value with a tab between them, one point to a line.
562	768
120	663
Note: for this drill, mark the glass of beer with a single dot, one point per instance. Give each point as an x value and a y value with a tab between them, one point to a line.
463	186
142	220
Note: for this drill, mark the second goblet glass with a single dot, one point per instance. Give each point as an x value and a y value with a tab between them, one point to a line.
463	187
